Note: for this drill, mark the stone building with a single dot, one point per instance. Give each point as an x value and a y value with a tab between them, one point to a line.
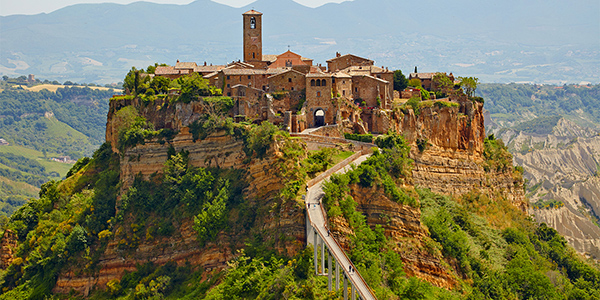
288	88
427	79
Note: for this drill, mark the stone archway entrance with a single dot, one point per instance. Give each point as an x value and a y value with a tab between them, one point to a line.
319	117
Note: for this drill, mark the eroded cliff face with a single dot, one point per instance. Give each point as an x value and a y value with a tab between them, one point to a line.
450	164
8	246
280	223
402	224
563	167
451	155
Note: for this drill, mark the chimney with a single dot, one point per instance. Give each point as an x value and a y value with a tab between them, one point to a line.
205	64
337	54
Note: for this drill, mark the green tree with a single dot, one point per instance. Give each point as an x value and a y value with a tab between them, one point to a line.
193	86
469	85
415	82
400	81
442	83
160	84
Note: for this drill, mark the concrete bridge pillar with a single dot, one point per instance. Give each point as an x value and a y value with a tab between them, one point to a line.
322	256
329	269
337	275
345	287
316	248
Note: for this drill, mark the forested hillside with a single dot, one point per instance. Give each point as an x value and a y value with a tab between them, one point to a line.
41	126
512	103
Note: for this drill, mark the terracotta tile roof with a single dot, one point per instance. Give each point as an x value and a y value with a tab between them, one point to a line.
169	70
211	75
205	69
239	64
421	75
341	75
185	65
356	70
269	57
346	55
228	71
318	74
286	71
252	12
376	79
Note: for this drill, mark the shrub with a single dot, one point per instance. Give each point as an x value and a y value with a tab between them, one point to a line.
442	104
366	138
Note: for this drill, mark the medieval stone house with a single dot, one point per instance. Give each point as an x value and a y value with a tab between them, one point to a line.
313	95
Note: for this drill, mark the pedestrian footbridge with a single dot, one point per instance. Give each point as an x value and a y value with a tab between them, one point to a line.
329	258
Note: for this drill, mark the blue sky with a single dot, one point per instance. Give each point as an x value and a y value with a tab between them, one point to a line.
31	7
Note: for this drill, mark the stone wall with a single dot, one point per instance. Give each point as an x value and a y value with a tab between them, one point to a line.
315	142
287	81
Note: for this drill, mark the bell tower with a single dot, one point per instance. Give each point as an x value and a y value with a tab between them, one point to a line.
252	36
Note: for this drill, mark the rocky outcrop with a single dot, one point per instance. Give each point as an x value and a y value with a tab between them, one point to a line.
402	224
8	246
447	146
280	223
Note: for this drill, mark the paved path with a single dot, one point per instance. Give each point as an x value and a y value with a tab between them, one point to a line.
317	218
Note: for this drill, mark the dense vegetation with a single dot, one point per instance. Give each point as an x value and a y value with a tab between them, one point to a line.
68	122
497	252
61	227
512	101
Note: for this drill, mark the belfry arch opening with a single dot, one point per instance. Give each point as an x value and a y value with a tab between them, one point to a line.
319	118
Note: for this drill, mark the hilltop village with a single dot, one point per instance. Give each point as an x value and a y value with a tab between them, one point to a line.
288	89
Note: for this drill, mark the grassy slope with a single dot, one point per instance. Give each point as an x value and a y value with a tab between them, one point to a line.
51	166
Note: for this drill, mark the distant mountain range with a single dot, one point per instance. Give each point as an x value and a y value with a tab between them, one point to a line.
551	41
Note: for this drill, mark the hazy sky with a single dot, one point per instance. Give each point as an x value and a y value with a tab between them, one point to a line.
31	7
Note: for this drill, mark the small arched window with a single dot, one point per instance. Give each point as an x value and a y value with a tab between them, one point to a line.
252	23
312	82
253	55
323	82
318	82
289	80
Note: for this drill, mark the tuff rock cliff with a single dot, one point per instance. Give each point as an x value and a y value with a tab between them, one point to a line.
451	163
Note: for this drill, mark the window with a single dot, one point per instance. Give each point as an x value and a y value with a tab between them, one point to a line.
318	94
229	94
252	23
228	85
323	82
318	82
253	55
356	90
292	88
332	80
343	92
312	82
227	77
289	80
249	77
